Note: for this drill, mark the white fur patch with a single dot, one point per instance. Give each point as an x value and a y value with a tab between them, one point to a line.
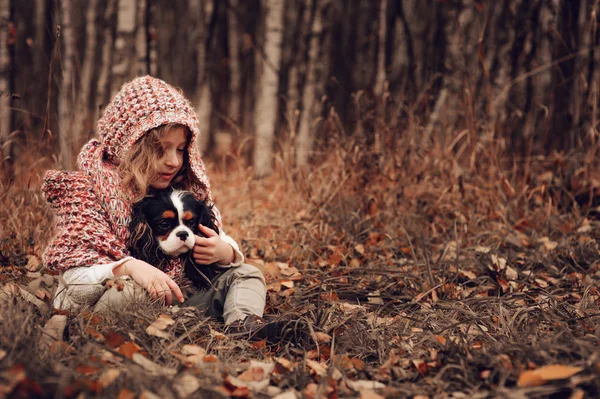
174	245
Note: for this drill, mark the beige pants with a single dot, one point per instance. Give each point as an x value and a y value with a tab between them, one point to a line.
236	293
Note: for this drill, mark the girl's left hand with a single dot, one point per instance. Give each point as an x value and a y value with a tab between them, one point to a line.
211	249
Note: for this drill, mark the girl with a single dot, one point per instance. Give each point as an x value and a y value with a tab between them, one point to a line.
147	141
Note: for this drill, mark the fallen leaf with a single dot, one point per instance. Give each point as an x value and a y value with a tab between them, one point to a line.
482	250
321	337
209	359
86	369
53	331
191	349
33	263
284	363
511	273
126	394
114	340
440	339
148	395
128	349
287	283
319	369
186	384
152	367
108	377
368	394
364	385
158	325
532	378
360	248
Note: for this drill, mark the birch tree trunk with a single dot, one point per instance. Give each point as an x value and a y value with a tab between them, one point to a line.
124	52
82	113
107	56
235	73
4	83
202	13
65	131
267	102
141	39
311	95
293	93
380	75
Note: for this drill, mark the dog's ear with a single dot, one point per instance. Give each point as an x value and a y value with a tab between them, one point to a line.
206	216
140	234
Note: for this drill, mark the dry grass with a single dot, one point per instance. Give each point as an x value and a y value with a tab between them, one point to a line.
445	271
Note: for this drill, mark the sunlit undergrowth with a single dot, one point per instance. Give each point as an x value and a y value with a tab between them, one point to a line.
452	270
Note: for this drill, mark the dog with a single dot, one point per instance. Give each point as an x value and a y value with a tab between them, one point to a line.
163	226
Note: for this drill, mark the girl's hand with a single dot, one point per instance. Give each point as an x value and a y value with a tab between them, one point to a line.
211	249
155	281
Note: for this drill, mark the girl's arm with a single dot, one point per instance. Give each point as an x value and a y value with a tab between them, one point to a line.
80	286
84	285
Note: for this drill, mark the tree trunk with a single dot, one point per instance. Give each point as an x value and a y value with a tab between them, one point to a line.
235	73
561	134
202	14
81	126
380	76
152	42
5	94
267	101
102	90
65	100
141	39
124	52
311	105
293	91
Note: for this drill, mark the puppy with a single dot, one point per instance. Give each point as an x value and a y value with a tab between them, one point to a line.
163	226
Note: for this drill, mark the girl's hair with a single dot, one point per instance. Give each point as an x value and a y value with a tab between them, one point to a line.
141	164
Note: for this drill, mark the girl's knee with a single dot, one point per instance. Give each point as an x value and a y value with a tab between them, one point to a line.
249	271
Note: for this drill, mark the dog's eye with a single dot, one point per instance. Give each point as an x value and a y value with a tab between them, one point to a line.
190	222
164	224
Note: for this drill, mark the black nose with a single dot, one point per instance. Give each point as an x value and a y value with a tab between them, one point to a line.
183	235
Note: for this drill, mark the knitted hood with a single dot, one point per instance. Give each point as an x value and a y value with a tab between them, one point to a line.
142	104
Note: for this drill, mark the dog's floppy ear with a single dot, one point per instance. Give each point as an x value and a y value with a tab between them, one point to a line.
140	233
206	216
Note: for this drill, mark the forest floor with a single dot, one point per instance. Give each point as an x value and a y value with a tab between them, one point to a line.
400	273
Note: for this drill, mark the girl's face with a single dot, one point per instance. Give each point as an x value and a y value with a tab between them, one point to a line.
174	143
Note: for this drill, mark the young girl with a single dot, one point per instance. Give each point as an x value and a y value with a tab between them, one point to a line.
147	141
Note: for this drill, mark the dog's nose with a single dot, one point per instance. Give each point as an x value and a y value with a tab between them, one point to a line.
183	235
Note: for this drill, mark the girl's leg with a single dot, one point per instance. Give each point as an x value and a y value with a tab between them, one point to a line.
238	292
119	296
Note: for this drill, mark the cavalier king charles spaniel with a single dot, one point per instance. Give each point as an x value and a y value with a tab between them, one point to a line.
163	226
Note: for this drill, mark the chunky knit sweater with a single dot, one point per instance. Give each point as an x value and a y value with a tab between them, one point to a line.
92	211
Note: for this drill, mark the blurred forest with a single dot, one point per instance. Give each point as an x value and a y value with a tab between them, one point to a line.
301	72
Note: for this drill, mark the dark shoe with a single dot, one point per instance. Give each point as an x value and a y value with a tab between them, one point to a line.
255	328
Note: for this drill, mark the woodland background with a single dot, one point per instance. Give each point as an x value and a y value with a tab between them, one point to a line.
523	72
417	180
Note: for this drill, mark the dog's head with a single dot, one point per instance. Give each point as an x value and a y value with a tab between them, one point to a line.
166	223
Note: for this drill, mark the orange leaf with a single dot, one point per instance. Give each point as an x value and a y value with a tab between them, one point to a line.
86	369
532	378
126	394
209	359
114	340
335	258
128	349
440	339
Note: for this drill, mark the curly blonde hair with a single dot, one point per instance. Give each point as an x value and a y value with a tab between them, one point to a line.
141	164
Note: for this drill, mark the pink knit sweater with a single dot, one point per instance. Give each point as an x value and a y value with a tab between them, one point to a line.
92	215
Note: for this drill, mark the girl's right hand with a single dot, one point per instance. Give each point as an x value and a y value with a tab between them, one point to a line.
155	281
